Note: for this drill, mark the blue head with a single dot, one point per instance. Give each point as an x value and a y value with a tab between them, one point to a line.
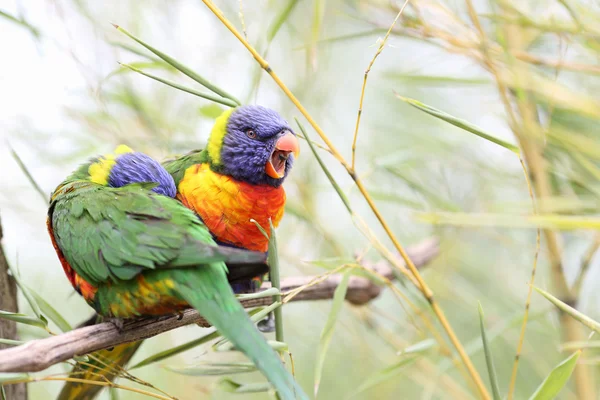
253	144
127	167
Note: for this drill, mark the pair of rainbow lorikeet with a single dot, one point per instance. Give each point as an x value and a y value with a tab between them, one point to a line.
138	238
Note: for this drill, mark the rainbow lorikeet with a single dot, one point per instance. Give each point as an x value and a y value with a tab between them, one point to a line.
235	179
129	249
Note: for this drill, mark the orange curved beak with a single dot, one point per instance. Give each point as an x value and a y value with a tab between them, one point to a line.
288	143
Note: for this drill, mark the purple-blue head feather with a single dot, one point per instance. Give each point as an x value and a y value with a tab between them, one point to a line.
244	157
138	168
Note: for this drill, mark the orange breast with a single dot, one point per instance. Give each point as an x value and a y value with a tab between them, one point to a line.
227	206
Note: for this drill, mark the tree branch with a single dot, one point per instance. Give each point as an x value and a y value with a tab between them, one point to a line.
8	329
40	354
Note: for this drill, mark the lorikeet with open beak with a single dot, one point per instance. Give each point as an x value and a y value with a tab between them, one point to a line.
130	250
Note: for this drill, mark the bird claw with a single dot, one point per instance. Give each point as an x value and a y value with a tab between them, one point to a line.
267	325
118	323
179	316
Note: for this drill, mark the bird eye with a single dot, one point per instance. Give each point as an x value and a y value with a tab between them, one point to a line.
251	134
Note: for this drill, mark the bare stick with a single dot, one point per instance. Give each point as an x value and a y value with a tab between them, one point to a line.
8	329
38	355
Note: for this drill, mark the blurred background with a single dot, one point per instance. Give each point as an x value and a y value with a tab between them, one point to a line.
64	98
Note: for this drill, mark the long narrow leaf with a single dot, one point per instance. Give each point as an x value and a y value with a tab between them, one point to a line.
384	374
337	188
214	369
327	333
461	123
22	319
10	377
182	68
488	357
584	319
216	99
230	386
11	342
557	379
51	313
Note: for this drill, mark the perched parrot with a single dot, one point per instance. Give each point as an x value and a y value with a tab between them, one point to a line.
237	178
130	250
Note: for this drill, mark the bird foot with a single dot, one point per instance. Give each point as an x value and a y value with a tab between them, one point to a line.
117	322
267	325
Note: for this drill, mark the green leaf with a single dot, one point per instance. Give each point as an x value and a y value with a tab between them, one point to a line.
557	379
2	393
230	386
337	187
10	377
11	342
214	369
20	21
216	99
584	319
177	349
550	221
327	333
210	111
384	374
461	123
256	315
489	360
22	319
51	313
419	347
422	80
281	17
182	68
258	295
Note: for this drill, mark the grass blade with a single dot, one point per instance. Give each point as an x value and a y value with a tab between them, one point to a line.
337	188
384	374
584	319
557	379
461	123
182	68
230	386
10	377
25	170
11	342
273	260
214	369
280	19
216	99
22	319
488	357
326	335
51	313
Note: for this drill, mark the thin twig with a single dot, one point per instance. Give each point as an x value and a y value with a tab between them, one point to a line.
364	85
513	378
422	285
40	354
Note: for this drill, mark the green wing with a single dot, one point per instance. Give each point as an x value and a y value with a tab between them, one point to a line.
177	167
116	233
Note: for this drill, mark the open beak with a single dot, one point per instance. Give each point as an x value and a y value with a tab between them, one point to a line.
285	145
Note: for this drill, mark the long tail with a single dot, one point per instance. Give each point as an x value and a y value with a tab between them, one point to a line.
220	307
103	365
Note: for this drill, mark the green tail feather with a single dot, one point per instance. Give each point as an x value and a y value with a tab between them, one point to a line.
226	314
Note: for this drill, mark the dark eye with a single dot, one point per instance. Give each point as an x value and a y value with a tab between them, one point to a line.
251	134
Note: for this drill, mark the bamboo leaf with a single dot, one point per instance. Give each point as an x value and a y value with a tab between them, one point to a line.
419	347
550	221
327	333
384	374
182	68
51	313
557	379
22	319
584	319
11	342
280	19
9	377
216	99
231	386
488	357
258	295
337	188
214	369
461	123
